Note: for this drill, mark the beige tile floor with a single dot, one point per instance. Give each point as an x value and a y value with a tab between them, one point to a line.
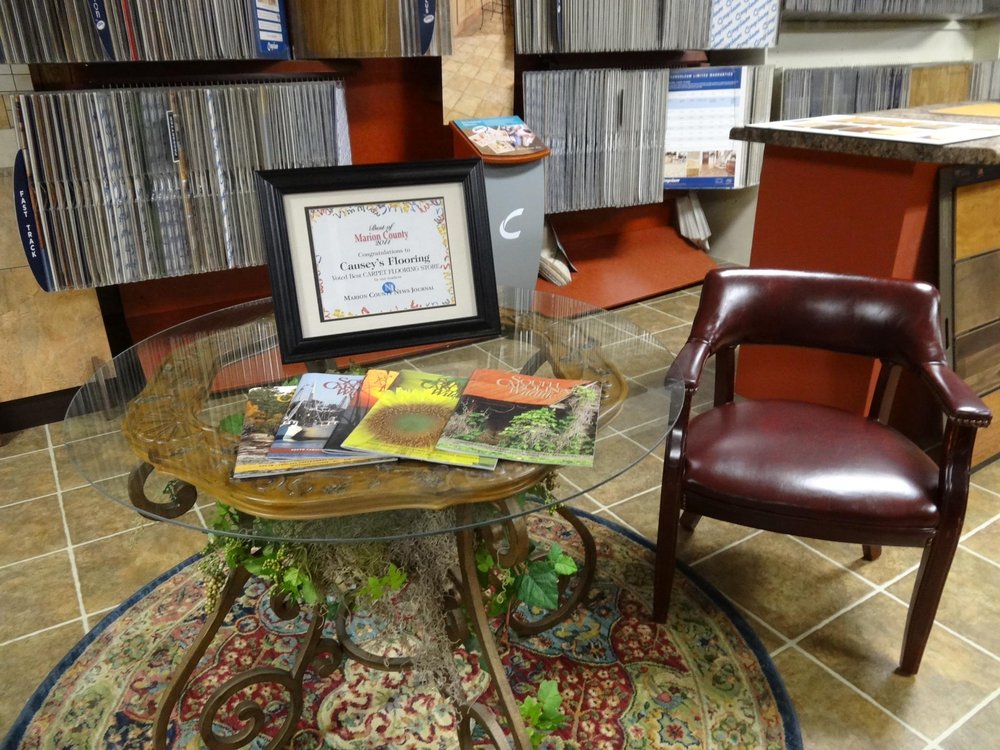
832	622
477	79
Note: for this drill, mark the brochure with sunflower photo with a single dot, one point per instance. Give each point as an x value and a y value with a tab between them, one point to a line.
525	418
408	417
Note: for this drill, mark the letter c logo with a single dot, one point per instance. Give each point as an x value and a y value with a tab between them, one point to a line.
503	225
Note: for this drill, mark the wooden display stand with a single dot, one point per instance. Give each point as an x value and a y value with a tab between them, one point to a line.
825	211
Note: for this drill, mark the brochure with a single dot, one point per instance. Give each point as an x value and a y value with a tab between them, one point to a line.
323	404
263	413
373	383
501	136
408	417
525	418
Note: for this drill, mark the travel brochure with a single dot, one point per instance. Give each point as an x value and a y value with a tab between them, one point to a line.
501	136
324	410
330	421
265	408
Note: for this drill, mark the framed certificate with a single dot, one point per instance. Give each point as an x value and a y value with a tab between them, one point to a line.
371	257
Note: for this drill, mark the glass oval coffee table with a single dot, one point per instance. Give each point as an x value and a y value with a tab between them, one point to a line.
154	421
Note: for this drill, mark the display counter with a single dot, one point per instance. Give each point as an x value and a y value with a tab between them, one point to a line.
861	205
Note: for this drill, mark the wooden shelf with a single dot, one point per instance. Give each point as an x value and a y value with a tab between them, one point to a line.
624	255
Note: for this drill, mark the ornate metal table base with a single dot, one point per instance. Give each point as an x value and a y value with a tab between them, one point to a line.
328	654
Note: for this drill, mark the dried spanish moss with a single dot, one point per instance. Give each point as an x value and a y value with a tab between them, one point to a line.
412	618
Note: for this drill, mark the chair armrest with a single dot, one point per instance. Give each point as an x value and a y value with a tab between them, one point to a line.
957	399
686	371
688	365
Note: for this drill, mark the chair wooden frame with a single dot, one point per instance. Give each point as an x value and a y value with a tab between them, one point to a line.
895	322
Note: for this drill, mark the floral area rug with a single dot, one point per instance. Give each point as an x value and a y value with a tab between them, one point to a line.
701	681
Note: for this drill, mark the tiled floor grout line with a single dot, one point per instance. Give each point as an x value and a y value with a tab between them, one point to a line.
751	533
793	642
87	543
69	539
979	528
22	455
112	535
40	631
99	614
972	712
621	522
634	496
33	558
636	442
883	588
854	573
28	500
972	483
757	621
54	494
861	693
978	555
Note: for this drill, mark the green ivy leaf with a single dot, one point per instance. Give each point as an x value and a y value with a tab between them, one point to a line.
484	560
374	588
565	565
254	565
542	714
233	424
562	563
496	608
538	586
531	711
551	702
309	593
395	578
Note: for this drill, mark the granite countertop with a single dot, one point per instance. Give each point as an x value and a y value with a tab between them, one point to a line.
982	151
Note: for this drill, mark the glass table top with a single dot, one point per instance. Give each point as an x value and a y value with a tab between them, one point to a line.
146	430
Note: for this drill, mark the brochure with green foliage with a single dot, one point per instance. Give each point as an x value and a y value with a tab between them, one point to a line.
525	418
407	418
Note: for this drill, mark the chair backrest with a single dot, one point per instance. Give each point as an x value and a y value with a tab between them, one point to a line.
893	320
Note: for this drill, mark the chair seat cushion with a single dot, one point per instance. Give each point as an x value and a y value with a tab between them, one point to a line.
812	463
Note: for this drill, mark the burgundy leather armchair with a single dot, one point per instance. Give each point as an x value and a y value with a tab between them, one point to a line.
810	470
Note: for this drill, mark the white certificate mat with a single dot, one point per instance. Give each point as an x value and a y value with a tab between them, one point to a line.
369	258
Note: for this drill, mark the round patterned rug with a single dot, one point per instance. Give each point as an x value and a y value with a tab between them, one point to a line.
701	681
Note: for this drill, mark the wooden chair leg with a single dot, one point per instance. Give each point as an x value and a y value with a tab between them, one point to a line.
689	520
934	566
666	543
871	552
663	571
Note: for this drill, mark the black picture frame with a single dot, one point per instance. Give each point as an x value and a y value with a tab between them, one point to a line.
346	246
